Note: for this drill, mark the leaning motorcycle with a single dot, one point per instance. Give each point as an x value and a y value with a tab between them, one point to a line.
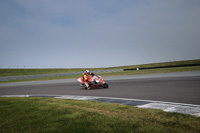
95	81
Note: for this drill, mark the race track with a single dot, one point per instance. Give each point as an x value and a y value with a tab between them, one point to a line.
179	89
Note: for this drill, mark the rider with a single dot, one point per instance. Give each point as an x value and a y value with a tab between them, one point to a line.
85	78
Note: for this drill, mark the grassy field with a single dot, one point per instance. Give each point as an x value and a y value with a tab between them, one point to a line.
61	115
147	71
73	116
20	72
173	63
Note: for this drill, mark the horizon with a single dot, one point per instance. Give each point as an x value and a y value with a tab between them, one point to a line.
24	67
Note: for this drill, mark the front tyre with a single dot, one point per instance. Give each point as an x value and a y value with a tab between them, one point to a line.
105	85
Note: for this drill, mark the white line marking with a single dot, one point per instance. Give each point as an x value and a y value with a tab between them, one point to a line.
15	96
191	109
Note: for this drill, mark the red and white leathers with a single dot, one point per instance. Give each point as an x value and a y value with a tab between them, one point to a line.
85	78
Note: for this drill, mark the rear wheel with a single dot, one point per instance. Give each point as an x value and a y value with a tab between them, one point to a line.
105	85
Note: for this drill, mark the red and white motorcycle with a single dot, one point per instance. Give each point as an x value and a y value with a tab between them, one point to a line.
95	81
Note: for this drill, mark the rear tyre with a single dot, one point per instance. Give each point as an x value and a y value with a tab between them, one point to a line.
105	85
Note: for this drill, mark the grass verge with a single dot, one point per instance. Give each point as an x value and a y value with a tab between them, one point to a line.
134	72
21	72
61	115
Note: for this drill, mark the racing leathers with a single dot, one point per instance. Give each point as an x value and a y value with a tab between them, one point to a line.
85	79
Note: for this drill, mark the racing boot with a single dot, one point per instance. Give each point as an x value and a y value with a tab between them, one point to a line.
87	85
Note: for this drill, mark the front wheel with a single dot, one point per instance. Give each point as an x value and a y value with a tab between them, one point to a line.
105	85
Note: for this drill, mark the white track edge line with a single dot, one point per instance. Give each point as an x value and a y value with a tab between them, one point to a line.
96	97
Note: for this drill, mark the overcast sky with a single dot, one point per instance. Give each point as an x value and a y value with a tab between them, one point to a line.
97	33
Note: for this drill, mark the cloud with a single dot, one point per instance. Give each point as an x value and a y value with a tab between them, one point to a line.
117	32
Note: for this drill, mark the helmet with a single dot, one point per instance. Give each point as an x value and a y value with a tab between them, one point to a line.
87	71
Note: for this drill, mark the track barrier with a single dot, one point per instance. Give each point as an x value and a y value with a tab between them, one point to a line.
142	68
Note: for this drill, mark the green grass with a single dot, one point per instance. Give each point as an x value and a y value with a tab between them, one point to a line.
172	63
20	72
147	71
73	116
151	71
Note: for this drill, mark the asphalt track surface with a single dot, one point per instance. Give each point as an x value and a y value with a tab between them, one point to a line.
175	88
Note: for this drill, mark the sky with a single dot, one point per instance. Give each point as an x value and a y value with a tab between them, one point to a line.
97	33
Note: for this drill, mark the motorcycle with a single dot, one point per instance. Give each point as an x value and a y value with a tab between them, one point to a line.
95	81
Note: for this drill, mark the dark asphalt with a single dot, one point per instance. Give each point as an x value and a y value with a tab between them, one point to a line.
168	89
